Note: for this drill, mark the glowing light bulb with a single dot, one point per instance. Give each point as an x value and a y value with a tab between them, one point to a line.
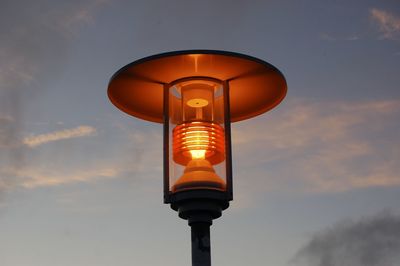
197	102
198	154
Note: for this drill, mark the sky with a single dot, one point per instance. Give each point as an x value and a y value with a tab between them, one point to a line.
316	180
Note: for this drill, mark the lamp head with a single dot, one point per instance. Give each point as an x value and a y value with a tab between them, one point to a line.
196	94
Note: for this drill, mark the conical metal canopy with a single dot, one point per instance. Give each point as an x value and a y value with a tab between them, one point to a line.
255	86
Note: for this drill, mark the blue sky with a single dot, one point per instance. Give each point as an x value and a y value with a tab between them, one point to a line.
81	182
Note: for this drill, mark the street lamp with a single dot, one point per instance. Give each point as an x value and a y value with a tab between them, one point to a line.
196	94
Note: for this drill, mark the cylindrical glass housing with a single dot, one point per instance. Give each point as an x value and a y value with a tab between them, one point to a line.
197	153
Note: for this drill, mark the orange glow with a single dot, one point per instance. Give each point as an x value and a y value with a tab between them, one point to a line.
196	57
198	154
198	140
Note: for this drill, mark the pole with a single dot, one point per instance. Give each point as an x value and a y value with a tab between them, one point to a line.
201	251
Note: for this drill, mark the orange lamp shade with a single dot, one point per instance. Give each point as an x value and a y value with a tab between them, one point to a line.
255	86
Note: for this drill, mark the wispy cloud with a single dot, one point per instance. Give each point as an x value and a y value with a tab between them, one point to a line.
30	57
77	132
77	16
33	177
6	131
388	23
373	241
320	147
138	156
36	176
29	49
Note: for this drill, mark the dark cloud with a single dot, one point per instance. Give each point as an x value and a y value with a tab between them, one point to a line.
370	242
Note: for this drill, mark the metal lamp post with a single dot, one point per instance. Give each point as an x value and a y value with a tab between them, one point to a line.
196	94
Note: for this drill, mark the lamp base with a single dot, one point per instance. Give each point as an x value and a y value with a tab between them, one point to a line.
200	205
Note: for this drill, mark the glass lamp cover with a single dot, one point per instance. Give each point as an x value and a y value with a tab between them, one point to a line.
197	136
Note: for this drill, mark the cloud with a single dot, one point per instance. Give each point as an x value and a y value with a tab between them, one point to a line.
389	24
6	129
81	131
32	177
315	147
135	153
32	55
39	175
373	241
75	16
35	44
11	152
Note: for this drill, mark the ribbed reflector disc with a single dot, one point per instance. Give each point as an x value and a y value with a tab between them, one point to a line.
198	137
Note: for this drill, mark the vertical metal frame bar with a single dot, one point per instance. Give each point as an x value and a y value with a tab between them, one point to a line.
166	143
228	147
